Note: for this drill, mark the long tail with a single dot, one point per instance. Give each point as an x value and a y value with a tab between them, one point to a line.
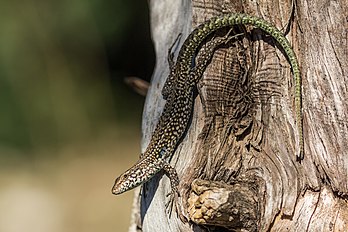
192	43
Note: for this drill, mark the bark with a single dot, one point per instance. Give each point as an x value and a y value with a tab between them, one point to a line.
241	143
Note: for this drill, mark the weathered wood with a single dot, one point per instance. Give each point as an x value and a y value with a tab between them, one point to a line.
217	204
243	126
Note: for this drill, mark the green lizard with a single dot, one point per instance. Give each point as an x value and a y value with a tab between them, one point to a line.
178	91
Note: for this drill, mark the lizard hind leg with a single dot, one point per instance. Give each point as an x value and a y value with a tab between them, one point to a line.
171	53
170	81
206	53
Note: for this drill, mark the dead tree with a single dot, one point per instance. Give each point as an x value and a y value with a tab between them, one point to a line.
237	163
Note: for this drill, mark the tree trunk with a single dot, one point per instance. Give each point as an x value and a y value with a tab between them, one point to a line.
237	163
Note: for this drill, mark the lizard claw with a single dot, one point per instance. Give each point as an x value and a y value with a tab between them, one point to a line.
173	203
173	199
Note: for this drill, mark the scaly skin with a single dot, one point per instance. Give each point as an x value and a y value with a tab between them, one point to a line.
178	91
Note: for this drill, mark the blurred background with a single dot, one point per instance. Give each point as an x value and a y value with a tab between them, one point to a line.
68	123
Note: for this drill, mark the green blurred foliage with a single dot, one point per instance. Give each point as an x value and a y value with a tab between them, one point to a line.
61	69
68	123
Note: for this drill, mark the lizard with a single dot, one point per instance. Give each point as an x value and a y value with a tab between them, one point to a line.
178	92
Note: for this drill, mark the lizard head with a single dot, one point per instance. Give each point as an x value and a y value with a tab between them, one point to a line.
140	173
125	182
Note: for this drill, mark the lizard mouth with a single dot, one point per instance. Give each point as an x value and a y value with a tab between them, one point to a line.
114	191
116	188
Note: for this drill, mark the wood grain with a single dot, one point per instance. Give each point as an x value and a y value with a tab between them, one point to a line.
243	126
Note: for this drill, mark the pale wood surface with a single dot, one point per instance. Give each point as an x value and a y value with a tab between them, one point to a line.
254	137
